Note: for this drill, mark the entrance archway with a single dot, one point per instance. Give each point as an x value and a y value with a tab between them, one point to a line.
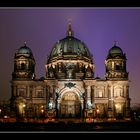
70	106
119	110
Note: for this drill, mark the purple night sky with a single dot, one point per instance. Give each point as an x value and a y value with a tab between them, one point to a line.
98	28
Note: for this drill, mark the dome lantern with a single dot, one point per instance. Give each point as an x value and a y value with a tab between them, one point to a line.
69	31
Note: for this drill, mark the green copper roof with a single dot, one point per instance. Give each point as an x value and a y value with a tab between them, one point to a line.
24	50
115	51
70	47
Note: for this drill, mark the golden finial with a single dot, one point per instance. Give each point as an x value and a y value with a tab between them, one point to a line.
24	43
69	31
115	42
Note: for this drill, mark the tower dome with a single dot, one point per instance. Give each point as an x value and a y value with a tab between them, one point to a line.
69	47
24	50
115	51
116	64
24	64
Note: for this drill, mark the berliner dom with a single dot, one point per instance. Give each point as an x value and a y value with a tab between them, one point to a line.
69	89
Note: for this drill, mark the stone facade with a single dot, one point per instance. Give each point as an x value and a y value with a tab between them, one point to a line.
70	89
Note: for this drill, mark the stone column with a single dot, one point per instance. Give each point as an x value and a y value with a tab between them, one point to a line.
53	93
82	104
34	92
44	92
89	93
111	91
110	102
58	107
15	90
127	91
95	94
124	91
28	92
82	108
58	104
92	93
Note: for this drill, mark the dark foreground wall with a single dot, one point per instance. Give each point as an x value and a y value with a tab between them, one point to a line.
131	126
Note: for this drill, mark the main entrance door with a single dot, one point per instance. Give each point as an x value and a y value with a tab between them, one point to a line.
70	105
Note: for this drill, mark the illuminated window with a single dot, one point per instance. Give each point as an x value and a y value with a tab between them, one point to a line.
118	108
100	94
21	93
39	94
118	92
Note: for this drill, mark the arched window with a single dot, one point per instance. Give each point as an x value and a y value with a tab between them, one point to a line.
21	93
117	92
40	94
118	66
23	66
100	94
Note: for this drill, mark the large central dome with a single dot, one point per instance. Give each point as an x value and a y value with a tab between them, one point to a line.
69	47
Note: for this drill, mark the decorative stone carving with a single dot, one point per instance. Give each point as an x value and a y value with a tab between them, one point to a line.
51	104
89	104
70	85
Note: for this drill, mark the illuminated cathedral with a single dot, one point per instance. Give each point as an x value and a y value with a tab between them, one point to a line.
69	89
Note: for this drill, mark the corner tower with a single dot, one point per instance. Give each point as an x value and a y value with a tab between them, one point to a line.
118	83
22	80
24	64
116	64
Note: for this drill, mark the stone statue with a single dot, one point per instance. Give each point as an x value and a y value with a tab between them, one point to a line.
51	104
89	104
